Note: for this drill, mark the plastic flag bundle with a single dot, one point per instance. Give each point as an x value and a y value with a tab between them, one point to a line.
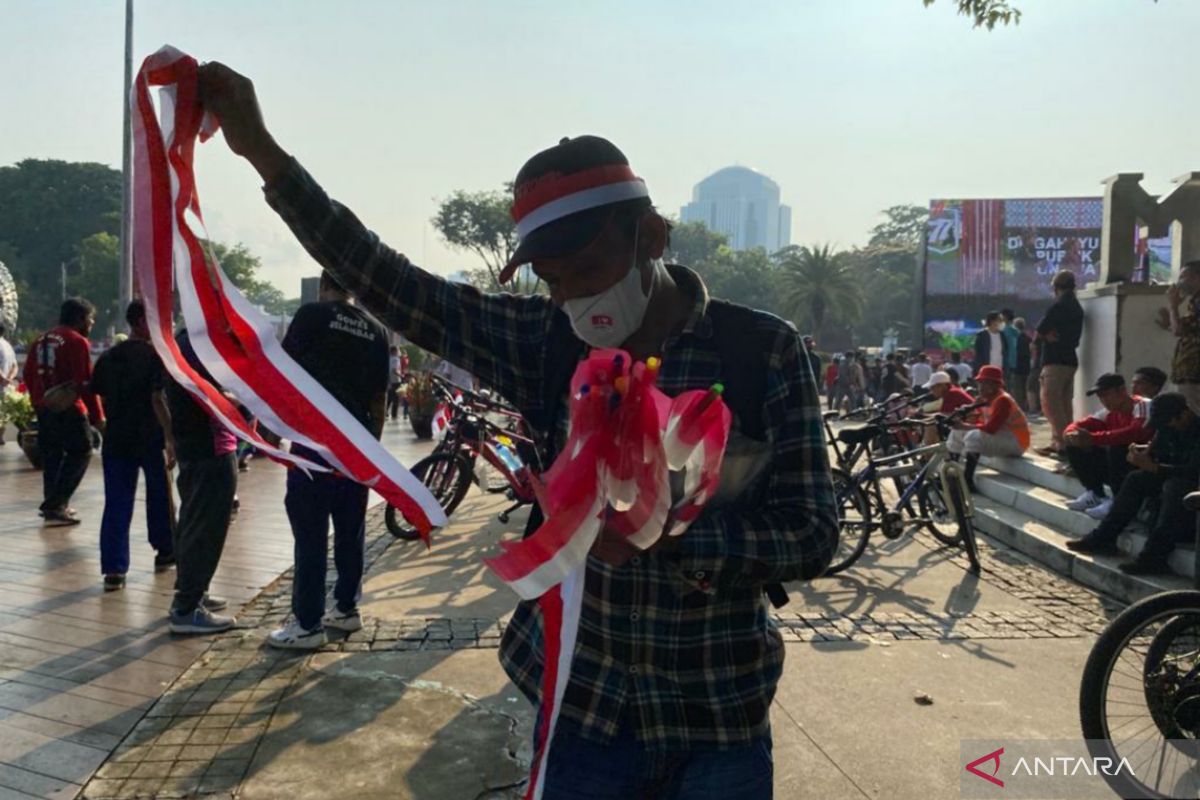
614	474
233	339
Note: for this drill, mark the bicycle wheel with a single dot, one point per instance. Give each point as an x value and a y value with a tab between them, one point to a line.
854	521
1141	685
939	514
965	526
447	476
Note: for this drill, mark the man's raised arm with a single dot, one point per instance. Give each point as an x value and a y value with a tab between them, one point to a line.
499	338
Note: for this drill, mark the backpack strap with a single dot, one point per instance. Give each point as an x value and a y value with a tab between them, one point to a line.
742	349
563	351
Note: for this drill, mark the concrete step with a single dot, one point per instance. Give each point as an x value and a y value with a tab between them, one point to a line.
1044	505
1037	470
1025	533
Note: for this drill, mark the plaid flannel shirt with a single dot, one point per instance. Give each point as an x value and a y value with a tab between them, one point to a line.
678	642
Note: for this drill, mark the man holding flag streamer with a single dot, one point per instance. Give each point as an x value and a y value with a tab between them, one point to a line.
674	663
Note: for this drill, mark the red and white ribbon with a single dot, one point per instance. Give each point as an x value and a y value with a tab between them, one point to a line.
233	340
625	439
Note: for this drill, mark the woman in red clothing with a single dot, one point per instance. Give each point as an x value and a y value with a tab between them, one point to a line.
1001	430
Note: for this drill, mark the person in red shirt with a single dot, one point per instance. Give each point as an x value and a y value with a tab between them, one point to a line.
1001	429
1096	446
831	376
945	398
58	373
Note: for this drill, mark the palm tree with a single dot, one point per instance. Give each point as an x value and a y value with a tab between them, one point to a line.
819	286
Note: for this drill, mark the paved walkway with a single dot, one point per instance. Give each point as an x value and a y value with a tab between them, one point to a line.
890	666
79	667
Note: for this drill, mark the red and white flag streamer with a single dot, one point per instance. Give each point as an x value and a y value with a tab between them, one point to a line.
626	438
233	340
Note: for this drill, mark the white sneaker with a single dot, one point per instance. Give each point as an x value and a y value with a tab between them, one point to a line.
1101	509
349	622
1085	501
295	636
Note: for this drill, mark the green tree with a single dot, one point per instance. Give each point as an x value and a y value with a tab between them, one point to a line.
96	266
886	274
693	243
820	289
242	268
986	13
480	223
902	226
47	209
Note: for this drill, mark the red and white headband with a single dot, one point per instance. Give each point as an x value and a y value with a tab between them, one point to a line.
556	196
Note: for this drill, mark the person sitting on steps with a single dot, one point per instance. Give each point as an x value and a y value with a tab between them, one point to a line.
1167	469
1002	429
1097	445
1147	382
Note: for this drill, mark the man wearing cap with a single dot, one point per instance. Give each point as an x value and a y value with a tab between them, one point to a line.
676	661
1167	469
1001	430
1096	446
1058	336
947	398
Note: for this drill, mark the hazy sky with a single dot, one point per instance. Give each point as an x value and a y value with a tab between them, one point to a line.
850	105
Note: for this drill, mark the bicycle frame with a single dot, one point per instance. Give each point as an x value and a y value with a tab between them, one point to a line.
906	464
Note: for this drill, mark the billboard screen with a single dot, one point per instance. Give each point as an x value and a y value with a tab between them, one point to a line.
991	254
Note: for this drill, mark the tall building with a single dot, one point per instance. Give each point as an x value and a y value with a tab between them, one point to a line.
744	205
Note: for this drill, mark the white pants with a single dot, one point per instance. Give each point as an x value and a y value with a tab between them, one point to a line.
957	441
1003	443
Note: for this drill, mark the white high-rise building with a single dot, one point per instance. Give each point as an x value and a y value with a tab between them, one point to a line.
744	205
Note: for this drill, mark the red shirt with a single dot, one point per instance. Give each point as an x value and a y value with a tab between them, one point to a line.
955	399
62	355
1117	428
1003	412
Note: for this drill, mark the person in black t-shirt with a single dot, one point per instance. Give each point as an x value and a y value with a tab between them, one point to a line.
346	351
1058	336
129	378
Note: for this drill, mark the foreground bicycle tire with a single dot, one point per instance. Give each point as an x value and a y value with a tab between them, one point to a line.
1101	665
447	475
854	521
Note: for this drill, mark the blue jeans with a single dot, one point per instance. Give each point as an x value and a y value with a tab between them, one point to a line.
311	503
581	769
120	488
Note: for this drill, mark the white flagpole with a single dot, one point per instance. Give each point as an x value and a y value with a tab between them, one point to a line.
125	275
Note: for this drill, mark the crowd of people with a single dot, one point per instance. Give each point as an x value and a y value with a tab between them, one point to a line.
632	717
1141	445
150	425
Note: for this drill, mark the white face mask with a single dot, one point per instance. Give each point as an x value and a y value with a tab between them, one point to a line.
609	318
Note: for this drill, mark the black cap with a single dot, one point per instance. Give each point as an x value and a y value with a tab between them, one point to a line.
1109	380
570	234
1165	408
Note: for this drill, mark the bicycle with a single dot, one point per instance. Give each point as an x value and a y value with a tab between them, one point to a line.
470	442
929	476
1142	679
